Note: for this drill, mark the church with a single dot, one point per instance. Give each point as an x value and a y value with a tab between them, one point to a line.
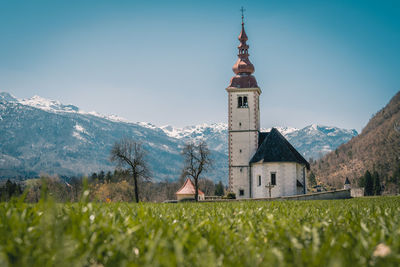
261	164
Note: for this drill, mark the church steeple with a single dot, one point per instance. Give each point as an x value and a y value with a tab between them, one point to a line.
243	68
243	64
243	120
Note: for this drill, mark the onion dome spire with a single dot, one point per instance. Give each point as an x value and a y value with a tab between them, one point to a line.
243	68
243	64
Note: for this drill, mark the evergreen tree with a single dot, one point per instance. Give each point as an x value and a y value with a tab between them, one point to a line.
361	181
311	180
377	184
108	177
11	189
101	176
369	184
219	189
93	177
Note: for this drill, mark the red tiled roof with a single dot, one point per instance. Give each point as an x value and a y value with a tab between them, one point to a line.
188	188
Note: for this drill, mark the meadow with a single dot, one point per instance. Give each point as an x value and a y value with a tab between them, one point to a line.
354	232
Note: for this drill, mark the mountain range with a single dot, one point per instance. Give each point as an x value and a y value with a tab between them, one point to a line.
38	135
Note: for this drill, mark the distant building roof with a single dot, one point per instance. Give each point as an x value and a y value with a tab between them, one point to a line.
188	189
347	181
273	147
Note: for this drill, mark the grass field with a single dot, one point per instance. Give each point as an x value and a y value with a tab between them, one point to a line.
355	232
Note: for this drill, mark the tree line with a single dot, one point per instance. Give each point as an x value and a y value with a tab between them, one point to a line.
375	185
130	181
102	186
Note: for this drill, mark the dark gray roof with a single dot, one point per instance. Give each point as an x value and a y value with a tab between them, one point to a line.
273	147
347	181
261	137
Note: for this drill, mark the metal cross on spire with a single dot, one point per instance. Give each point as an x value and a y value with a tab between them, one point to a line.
242	10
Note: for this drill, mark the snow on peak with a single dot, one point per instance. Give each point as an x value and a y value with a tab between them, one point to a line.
111	117
196	131
7	97
147	125
286	130
56	106
328	130
283	130
48	105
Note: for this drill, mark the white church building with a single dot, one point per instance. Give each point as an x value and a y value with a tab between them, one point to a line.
261	164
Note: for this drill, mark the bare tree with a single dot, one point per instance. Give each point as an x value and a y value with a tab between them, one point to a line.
207	186
131	155
196	161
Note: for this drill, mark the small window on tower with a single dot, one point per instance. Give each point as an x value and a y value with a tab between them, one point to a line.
241	192
242	102
273	178
259	180
240	151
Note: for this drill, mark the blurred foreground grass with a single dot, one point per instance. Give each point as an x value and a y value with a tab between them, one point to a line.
355	232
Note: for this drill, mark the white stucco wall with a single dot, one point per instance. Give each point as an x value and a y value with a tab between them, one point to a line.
241	181
286	175
244	118
243	146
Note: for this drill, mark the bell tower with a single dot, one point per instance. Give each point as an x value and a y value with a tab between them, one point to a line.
243	120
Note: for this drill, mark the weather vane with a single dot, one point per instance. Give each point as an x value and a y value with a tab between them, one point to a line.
243	10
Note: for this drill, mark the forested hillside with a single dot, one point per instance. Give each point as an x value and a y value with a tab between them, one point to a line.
377	148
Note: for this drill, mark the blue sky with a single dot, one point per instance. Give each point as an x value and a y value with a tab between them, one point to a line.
169	62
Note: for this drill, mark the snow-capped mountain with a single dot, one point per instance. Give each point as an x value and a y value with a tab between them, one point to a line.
44	136
214	134
38	135
314	141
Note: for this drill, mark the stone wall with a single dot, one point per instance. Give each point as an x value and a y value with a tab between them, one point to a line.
337	194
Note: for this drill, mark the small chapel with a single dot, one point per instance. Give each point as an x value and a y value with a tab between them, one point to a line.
261	164
188	191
